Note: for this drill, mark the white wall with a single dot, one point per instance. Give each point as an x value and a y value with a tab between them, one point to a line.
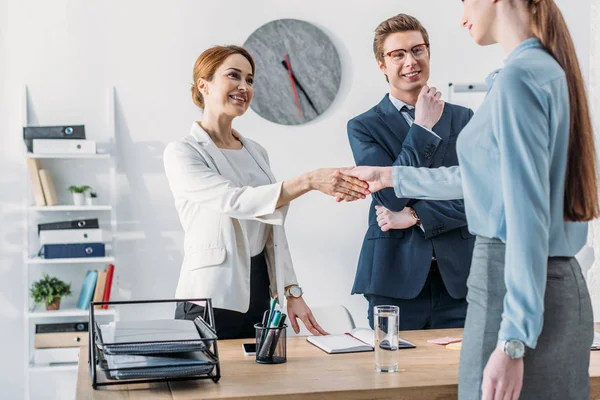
70	52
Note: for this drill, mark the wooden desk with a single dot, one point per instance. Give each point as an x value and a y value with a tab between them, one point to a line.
427	372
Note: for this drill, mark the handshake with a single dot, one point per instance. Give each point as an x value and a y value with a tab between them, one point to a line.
352	183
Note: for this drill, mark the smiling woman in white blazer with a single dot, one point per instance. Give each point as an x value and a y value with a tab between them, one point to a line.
232	208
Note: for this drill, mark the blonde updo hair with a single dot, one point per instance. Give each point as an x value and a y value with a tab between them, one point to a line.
206	65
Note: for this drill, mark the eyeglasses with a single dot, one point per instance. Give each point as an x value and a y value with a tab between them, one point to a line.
398	56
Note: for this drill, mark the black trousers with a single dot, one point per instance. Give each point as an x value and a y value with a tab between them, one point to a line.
433	308
233	324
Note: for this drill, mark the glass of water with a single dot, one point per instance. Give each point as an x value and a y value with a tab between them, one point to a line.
386	322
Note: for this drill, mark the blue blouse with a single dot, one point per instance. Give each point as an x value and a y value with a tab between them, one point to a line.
511	174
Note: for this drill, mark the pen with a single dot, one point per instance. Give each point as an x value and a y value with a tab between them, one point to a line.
265	349
282	320
277	336
271	309
268	322
276	319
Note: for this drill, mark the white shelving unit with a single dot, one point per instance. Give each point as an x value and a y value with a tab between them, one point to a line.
99	156
58	368
69	208
81	260
67	313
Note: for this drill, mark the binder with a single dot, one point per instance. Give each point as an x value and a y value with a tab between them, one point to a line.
60	339
110	270
57	146
62	327
51	132
73	250
76	224
87	290
58	355
100	283
66	236
33	166
48	187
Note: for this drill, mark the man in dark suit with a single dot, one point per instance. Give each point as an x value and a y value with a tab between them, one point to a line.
416	254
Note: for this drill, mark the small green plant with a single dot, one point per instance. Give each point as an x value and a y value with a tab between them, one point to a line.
47	289
93	195
79	189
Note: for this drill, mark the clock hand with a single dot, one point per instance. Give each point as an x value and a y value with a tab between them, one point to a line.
289	68
301	88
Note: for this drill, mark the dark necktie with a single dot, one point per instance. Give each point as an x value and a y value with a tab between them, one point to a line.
409	112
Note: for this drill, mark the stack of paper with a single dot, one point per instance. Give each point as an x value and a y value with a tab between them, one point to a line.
148	337
158	348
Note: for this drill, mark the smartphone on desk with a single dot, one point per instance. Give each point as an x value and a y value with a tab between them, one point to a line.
249	349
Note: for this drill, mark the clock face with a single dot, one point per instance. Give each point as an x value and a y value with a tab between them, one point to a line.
298	71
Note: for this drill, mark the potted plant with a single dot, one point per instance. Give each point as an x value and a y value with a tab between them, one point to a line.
89	199
49	290
79	194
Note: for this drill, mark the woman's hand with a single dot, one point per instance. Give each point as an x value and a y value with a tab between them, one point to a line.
502	377
333	182
297	308
377	177
387	219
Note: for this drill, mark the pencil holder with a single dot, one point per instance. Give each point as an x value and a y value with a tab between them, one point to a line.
270	344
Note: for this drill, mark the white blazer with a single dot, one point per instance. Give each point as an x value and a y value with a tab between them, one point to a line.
216	260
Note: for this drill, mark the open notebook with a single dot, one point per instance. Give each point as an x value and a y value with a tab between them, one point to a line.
358	339
596	343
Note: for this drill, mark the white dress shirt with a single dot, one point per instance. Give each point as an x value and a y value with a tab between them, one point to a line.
399	104
245	169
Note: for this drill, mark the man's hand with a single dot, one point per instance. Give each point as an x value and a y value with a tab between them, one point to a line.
429	107
394	220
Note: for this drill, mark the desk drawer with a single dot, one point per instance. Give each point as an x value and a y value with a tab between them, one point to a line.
60	339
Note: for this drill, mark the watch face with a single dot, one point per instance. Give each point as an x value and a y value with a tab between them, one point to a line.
295	291
298	71
515	349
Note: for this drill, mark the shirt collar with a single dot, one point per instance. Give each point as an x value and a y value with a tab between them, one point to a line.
399	103
531	43
525	45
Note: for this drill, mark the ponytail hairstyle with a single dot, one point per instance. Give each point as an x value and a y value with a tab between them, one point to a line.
581	189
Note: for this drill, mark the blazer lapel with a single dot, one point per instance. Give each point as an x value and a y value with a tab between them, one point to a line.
220	161
259	158
392	117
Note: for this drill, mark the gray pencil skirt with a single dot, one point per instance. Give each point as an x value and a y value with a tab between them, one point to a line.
558	367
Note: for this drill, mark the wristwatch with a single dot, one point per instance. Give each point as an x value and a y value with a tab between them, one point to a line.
513	348
413	213
293	291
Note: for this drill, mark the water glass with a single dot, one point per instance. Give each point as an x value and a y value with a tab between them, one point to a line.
386	321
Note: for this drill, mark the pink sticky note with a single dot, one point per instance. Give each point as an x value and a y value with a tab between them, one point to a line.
445	340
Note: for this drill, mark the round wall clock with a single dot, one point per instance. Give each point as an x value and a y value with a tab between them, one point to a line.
298	71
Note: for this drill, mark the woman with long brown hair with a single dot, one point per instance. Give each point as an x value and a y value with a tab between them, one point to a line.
528	176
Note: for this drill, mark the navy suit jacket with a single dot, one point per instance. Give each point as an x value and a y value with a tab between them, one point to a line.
396	263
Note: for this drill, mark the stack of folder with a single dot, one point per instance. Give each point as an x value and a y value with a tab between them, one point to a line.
156	349
71	239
